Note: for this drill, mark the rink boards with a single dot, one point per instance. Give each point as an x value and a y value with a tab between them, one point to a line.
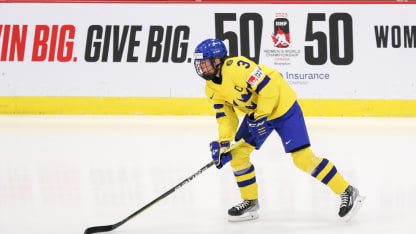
133	58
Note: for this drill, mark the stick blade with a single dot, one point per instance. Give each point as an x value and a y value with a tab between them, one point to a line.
98	229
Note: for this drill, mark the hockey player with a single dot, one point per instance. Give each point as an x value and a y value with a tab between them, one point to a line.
269	104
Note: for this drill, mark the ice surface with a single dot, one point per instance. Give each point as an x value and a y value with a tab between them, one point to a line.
62	174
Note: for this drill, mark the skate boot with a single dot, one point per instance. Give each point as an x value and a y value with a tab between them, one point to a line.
351	202
246	210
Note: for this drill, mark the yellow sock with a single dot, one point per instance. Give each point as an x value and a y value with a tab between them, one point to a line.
244	171
320	168
246	180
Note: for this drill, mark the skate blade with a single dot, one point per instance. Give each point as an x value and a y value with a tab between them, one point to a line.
357	205
252	215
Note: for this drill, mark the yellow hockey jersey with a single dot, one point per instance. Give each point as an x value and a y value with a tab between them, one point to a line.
250	88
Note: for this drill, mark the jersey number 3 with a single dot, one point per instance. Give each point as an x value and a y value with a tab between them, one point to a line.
242	63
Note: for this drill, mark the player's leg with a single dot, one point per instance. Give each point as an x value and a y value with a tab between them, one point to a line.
245	176
320	168
323	170
292	130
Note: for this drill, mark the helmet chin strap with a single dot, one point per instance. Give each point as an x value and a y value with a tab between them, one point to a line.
209	77
216	79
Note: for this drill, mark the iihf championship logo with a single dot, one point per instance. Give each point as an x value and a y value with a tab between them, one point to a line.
281	35
284	49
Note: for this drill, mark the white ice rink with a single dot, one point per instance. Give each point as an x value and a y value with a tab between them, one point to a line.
62	174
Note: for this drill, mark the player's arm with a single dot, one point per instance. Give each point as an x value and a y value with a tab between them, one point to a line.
227	126
227	121
225	115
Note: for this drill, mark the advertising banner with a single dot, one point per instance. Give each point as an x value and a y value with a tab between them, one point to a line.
324	51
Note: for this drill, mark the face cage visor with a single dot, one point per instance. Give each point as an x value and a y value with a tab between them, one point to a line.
197	64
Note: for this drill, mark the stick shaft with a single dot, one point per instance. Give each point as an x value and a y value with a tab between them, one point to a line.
170	191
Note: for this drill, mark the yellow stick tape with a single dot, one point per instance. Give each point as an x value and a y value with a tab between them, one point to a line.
193	106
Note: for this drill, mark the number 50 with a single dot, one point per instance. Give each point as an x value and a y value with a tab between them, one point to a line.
334	42
245	44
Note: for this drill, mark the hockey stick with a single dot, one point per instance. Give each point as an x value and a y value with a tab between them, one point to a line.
108	228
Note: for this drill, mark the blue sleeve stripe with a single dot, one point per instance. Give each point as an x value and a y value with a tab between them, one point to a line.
219	115
263	83
218	106
330	175
244	171
247	182
320	167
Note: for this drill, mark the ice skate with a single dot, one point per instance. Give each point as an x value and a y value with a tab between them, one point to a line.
246	210
351	202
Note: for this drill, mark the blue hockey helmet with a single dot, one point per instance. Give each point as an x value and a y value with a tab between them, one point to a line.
209	49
